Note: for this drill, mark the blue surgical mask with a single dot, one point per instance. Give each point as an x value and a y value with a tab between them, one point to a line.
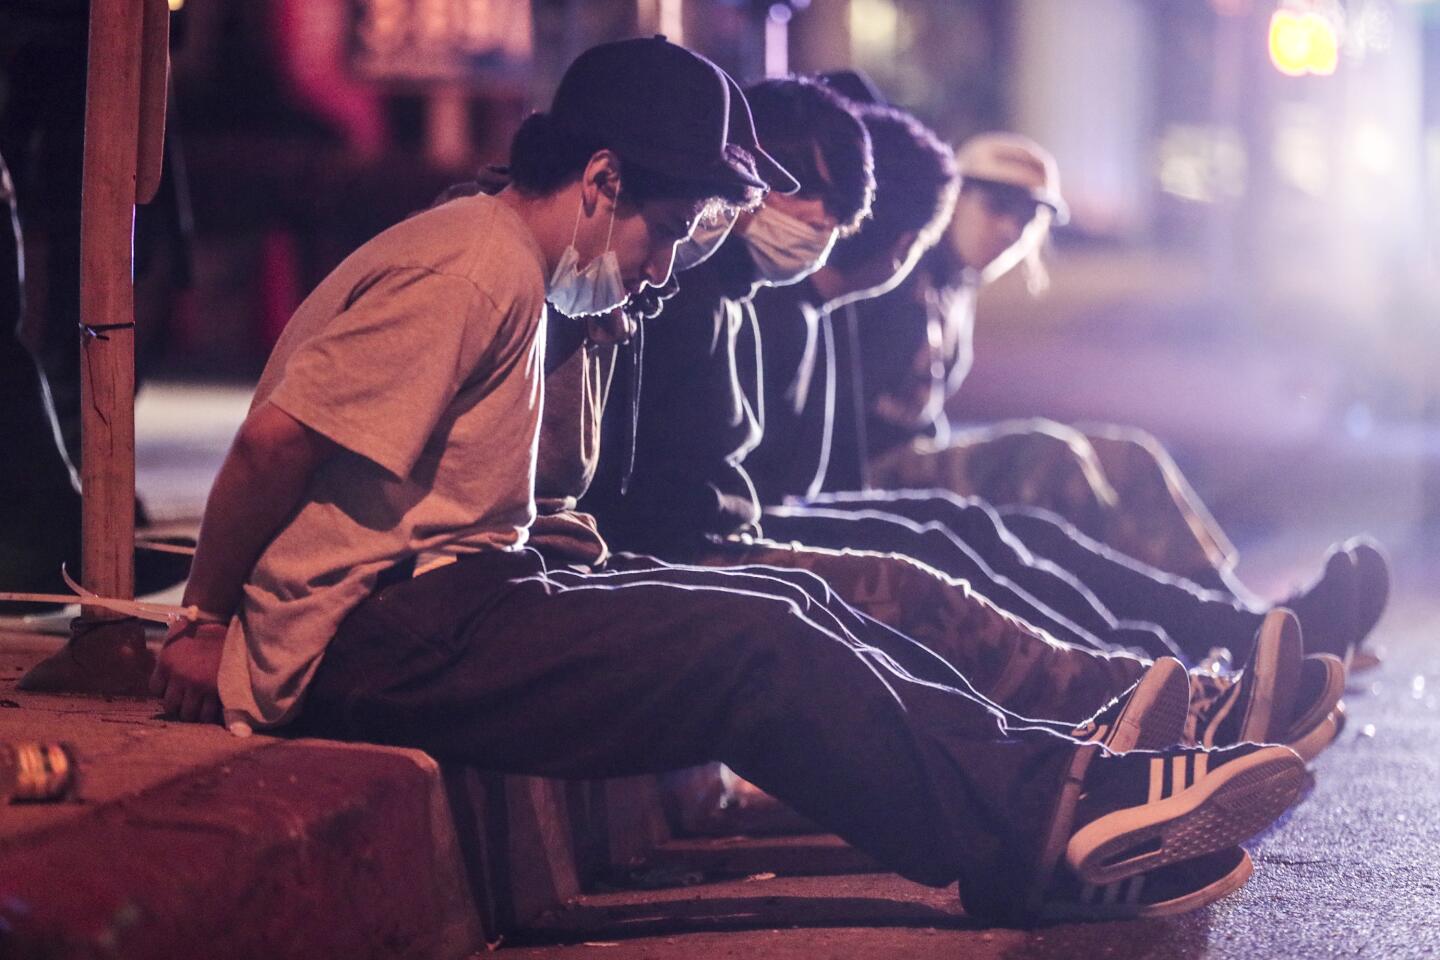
785	249
597	288
704	241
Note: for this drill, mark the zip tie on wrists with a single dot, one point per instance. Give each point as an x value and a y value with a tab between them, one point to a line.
167	613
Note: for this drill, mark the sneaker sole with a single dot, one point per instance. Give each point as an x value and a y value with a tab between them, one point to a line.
1278	648
1154	715
1321	735
1224	808
1117	901
1308	735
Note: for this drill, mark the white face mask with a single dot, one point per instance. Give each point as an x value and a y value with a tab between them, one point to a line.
785	249
598	288
704	241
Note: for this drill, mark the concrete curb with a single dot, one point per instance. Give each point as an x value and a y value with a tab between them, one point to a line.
289	850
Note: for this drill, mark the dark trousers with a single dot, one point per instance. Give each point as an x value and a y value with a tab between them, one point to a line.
1048	557
1196	616
1067	611
496	662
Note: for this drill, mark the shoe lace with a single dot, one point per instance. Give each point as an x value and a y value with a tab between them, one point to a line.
1217	663
1206	692
1091	730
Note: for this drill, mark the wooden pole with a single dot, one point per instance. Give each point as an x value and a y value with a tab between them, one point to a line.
124	130
154	91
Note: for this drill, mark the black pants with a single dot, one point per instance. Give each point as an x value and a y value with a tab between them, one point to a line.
1076	577
497	662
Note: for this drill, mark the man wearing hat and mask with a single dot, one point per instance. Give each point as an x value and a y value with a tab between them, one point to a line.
1009	203
362	570
1106	505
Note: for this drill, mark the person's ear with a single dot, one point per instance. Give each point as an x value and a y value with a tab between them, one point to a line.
601	179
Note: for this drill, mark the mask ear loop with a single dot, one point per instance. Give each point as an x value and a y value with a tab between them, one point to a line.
609	231
575	231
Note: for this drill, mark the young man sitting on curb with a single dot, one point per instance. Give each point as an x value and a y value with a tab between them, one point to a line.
363	570
690	499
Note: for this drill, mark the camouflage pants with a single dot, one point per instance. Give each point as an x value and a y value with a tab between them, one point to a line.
1117	485
1020	667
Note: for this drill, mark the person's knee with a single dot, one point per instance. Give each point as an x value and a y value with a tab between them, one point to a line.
1057	471
1131	445
1044	427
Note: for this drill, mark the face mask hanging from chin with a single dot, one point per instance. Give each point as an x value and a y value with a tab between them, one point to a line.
704	241
785	249
597	288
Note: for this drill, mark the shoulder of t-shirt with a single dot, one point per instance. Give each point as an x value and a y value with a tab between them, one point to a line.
481	242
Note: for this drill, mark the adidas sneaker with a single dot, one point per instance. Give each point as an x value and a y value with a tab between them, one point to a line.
1162	892
1141	811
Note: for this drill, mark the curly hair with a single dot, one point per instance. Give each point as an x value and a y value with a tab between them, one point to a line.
916	182
814	134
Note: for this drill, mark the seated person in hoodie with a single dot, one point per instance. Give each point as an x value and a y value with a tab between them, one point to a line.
901	356
363	570
689	498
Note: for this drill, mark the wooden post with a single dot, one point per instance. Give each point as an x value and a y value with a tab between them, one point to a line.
124	130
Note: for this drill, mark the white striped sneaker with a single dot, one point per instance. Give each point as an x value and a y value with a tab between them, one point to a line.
1255	705
1142	811
1163	892
1217	704
1151	715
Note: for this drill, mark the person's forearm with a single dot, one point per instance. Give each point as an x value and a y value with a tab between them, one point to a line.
257	489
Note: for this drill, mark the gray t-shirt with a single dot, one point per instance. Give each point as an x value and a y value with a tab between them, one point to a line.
421	356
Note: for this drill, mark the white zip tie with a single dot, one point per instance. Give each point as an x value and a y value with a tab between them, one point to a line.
143	609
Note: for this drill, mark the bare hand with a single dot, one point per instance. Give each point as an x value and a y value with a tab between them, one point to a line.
188	670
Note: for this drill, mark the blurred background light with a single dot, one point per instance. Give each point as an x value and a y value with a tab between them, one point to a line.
874	28
1300	149
1303	43
672	19
1373	149
1371	29
1231	8
777	39
1201	163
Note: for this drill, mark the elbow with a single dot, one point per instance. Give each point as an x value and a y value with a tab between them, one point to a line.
270	441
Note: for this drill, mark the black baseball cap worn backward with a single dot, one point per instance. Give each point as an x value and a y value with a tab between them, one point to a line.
667	109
